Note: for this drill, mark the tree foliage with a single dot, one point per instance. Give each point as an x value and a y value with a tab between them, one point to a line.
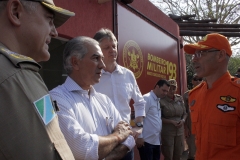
234	64
225	11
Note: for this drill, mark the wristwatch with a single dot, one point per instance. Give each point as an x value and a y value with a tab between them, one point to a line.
139	124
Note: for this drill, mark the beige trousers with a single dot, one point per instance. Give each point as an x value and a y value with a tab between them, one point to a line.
172	147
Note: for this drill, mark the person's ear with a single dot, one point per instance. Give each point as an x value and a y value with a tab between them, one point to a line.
221	55
75	63
14	11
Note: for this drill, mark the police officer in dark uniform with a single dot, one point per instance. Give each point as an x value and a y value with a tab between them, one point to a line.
173	118
29	128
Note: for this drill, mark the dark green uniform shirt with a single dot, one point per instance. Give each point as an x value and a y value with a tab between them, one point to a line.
173	109
29	128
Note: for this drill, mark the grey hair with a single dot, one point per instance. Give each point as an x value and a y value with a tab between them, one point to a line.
76	47
28	5
104	33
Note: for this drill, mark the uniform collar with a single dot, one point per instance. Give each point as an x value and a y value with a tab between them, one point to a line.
223	79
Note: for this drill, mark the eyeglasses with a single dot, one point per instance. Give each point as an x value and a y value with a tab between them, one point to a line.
199	53
197	79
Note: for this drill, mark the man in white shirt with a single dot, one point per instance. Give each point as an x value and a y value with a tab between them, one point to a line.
149	141
89	121
119	83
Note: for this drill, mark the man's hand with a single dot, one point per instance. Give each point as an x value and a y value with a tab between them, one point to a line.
136	132
175	123
180	124
140	142
122	131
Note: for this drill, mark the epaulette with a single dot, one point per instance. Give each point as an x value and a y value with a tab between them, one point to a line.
20	61
178	97
235	81
196	88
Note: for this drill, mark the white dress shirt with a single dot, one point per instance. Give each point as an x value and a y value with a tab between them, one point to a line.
121	86
84	117
152	122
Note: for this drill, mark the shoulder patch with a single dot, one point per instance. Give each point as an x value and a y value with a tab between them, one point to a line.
45	109
192	103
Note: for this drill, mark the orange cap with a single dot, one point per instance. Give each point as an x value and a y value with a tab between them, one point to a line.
213	40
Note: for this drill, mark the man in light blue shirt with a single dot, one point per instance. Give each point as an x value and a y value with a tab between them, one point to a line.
149	141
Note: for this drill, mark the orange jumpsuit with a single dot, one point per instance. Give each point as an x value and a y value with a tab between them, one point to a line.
215	115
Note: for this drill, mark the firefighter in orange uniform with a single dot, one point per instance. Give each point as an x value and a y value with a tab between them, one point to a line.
214	104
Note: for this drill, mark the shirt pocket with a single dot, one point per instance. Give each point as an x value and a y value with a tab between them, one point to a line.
223	129
125	91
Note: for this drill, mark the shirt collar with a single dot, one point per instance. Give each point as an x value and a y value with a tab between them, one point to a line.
72	86
154	96
118	70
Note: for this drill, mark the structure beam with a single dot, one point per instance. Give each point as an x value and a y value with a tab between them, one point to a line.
210	29
203	33
183	24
